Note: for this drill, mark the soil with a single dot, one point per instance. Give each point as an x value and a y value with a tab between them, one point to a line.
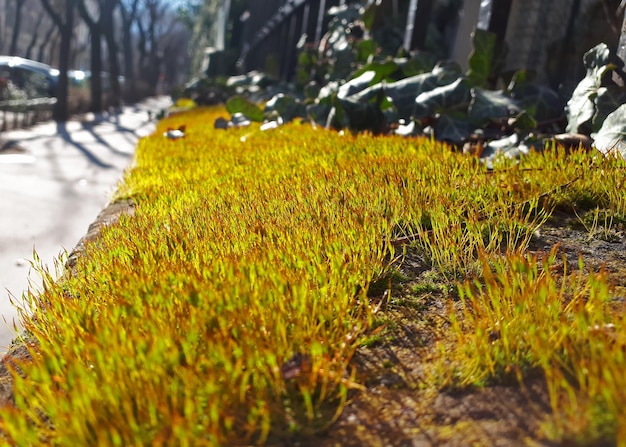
397	408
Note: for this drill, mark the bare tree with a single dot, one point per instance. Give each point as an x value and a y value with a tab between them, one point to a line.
64	21
47	40
142	46
108	28
128	13
168	37
101	25
175	52
150	55
17	24
95	31
34	37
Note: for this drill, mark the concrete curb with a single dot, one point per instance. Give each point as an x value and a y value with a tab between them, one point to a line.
19	351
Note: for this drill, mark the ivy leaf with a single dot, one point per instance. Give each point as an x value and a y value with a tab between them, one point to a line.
364	49
508	147
491	105
420	62
443	99
607	100
319	112
581	107
287	107
357	84
362	116
369	15
452	129
612	135
239	104
523	122
403	92
520	79
481	59
542	103
381	70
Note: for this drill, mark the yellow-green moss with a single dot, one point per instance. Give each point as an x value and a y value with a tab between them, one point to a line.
228	307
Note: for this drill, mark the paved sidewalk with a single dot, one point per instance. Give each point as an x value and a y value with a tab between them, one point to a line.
54	180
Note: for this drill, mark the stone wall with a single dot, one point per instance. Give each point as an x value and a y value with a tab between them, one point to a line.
537	36
533	26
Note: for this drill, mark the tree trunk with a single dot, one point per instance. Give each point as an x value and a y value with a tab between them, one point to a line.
128	18
621	47
65	24
154	60
61	112
96	70
143	50
17	24
34	38
46	41
95	38
114	66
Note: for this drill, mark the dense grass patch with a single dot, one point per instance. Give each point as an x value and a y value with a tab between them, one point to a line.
227	309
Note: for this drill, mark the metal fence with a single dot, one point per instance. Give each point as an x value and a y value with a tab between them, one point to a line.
23	113
273	29
548	38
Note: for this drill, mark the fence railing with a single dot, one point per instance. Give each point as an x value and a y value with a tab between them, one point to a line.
25	112
274	29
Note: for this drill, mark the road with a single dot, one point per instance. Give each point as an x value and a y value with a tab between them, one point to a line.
54	180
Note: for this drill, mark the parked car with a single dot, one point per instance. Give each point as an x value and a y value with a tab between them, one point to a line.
31	78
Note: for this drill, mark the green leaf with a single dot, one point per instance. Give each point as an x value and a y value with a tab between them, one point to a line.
362	116
287	107
521	79
311	90
357	84
454	96
319	112
403	92
541	102
523	122
337	117
481	59
306	59
581	108
451	129
239	104
382	71
420	62
606	101
328	90
509	147
612	135
364	49
489	105
369	15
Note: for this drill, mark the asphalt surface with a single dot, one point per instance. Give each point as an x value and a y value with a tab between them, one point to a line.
54	180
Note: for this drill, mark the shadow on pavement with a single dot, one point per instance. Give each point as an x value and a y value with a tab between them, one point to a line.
63	133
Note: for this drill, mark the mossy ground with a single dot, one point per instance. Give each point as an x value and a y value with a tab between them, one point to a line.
402	408
269	282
